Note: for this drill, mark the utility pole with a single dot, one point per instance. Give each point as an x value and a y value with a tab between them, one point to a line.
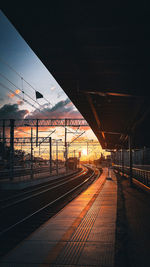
31	153
12	123
130	159
3	155
50	155
66	149
57	157
37	122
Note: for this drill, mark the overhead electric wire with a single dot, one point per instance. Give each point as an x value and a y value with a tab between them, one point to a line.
46	137
9	67
23	131
76	138
21	77
75	132
19	96
35	90
32	105
45	149
17	87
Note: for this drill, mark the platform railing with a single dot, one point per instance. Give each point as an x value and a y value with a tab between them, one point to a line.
141	175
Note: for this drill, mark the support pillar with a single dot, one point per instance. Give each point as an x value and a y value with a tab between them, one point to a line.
3	154
31	153
56	157
122	152
12	123
66	148
37	122
50	155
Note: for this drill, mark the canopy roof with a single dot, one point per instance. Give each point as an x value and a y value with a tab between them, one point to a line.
100	56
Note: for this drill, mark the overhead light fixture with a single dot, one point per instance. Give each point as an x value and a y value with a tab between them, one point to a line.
104	94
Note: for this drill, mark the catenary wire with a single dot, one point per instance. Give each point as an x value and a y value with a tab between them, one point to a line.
20	89
22	78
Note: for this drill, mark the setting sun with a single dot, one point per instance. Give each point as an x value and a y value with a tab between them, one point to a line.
84	152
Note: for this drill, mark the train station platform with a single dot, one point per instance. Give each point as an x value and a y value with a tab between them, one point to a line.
132	225
81	234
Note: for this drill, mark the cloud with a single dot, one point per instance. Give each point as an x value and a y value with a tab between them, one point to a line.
12	111
20	102
11	95
69	104
59	94
63	109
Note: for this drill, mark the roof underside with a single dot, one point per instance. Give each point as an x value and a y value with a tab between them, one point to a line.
100	57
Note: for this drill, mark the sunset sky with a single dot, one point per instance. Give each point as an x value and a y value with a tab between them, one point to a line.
21	74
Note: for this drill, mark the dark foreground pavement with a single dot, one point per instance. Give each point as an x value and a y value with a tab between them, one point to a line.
133	226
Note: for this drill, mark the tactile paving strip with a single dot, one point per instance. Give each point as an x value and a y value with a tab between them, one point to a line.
71	252
79	250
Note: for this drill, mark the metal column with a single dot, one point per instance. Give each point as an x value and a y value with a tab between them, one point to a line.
122	152
12	123
50	155
37	123
56	157
3	155
31	153
130	159
66	149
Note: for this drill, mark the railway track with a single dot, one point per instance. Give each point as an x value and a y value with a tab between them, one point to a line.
23	172
30	192
24	213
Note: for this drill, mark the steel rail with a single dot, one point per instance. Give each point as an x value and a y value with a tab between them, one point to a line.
51	183
49	204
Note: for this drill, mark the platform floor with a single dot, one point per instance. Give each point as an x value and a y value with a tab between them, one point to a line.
81	234
133	226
